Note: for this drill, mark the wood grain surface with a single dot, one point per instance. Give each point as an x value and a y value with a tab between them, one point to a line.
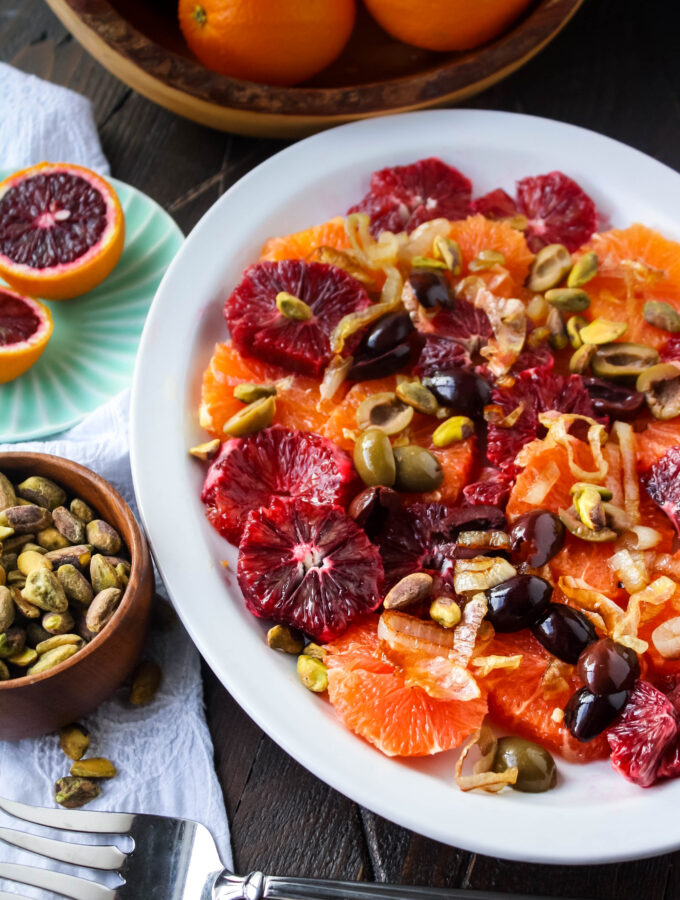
613	69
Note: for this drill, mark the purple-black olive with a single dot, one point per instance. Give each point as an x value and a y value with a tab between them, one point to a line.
518	602
380	366
586	714
606	667
614	400
387	333
564	632
476	518
431	289
371	508
536	537
463	391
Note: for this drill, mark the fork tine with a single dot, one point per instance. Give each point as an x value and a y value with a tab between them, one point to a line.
70	819
94	857
67	885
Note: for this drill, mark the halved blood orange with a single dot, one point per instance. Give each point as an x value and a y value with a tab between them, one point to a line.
61	230
477	233
25	328
300	244
370	696
523	700
618	253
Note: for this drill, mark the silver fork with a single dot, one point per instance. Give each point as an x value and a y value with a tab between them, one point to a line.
173	859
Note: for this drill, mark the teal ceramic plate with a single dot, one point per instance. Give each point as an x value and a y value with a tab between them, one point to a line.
91	354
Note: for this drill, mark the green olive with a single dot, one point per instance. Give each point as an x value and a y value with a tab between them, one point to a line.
550	267
418	471
384	411
623	361
374	459
536	771
661	387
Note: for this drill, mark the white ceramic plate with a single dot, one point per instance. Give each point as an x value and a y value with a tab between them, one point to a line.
593	815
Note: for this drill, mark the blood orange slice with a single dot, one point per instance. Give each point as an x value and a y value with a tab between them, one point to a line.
61	230
25	329
655	441
523	700
371	697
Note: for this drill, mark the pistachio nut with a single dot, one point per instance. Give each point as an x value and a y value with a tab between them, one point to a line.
448	251
207	450
35	633
7	612
661	387
119	562
445	611
79	556
51	539
17	579
94	767
579	486
58	623
285	639
453	430
3	576
36	548
581	358
315	650
662	315
5	533
583	270
255	417
427	262
572	522
549	268
558	339
70	526
123	574
25	519
58	640
12	641
53	658
74	740
312	673
81	509
145	683
72	792
102	574
42	492
417	396
568	299
4	671
247	392
44	590
602	331
76	587
374	458
411	589
84	631
8	495
486	259
588	505
103	536
23	658
8	562
385	411
31	559
16	543
291	307
623	361
574	326
102	608
537	336
27	610
417	470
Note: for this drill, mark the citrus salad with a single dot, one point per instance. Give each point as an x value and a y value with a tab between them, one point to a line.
445	437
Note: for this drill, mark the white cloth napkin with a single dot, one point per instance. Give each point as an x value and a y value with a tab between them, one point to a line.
163	751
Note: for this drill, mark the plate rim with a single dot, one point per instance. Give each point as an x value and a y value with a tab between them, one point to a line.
589	850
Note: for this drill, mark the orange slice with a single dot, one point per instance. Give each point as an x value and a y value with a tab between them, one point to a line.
655	441
477	233
62	230
25	328
301	244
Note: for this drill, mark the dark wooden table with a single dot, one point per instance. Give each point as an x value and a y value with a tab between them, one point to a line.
614	69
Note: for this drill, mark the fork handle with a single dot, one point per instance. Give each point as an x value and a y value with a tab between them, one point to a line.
257	886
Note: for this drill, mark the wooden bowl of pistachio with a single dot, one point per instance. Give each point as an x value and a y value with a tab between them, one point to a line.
76	585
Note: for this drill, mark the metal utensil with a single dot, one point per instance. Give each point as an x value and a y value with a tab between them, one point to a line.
173	859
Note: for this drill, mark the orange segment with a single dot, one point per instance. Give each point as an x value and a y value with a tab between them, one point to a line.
658	666
25	328
477	233
370	696
521	701
655	441
609	297
302	243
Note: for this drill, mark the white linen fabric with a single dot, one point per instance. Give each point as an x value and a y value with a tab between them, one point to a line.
163	752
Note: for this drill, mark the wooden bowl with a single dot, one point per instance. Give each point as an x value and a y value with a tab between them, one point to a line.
37	704
139	41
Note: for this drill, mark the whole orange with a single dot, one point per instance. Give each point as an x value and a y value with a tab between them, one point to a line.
445	24
277	42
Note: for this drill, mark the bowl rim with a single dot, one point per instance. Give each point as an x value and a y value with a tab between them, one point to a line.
92	22
140	561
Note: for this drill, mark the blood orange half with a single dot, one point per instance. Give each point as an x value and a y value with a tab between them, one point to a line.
61	230
25	329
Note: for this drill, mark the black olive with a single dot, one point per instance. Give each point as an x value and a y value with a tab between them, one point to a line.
431	288
606	667
387	333
380	366
586	714
463	391
614	400
536	537
371	508
564	632
477	518
518	602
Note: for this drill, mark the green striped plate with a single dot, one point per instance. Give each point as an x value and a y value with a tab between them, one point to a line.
91	354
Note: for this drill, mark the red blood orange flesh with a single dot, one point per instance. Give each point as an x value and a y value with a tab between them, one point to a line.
558	211
25	329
